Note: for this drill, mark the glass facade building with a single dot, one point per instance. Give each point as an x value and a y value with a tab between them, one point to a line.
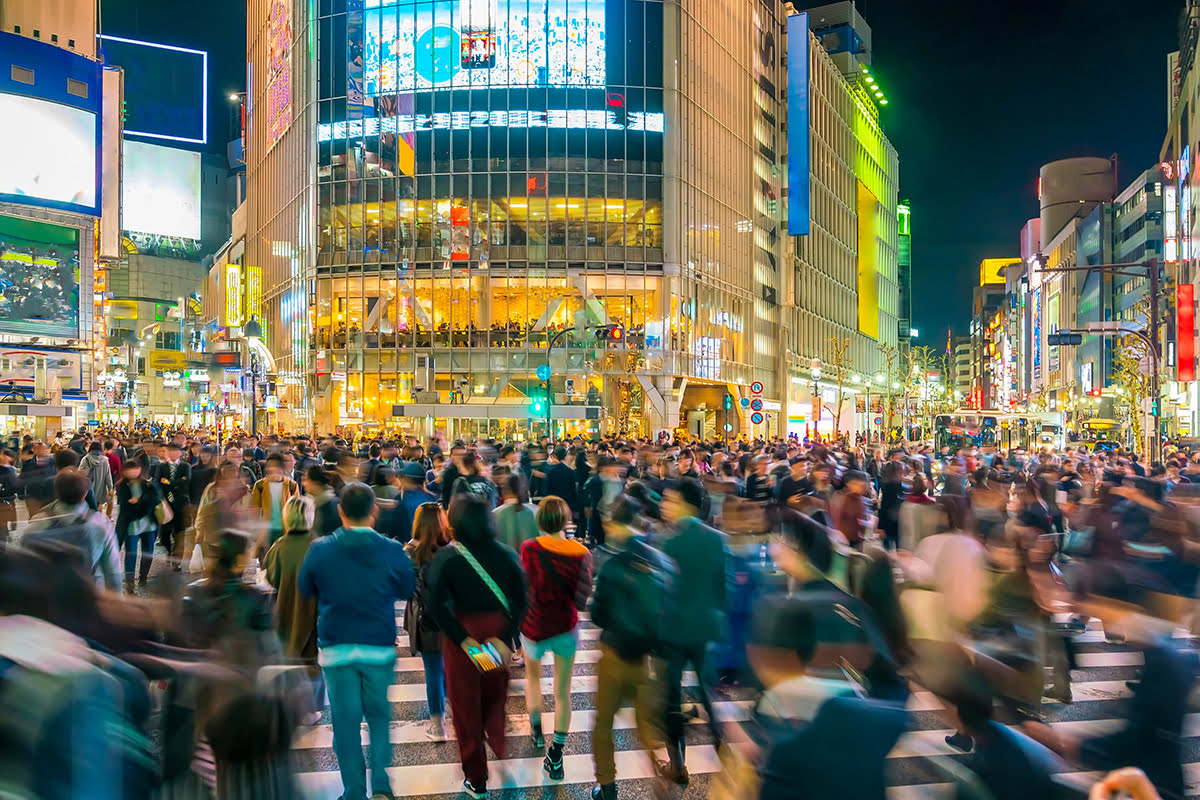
446	195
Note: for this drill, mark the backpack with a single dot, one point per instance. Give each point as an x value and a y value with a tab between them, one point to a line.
639	607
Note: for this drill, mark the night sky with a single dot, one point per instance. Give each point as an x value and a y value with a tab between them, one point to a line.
981	94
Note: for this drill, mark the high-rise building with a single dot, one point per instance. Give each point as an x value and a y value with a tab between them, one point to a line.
449	204
59	199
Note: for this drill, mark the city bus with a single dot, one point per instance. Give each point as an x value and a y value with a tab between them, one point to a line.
999	429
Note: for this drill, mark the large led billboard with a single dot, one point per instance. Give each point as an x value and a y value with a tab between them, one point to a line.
166	88
47	154
416	45
161	190
39	278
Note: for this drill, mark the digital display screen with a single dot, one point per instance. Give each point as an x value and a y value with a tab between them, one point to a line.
161	190
166	88
39	278
461	44
47	154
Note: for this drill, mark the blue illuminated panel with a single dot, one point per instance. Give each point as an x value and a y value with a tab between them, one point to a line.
799	216
457	44
166	88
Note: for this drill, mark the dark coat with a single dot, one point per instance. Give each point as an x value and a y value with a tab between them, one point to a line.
127	512
696	613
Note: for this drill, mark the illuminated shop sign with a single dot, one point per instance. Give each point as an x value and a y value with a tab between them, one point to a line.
799	213
464	120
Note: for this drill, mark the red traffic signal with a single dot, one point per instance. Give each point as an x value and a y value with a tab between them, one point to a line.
611	333
1094	392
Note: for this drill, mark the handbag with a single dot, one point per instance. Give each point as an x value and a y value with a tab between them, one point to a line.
163	513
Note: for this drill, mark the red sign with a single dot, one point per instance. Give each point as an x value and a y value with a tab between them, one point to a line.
1185	332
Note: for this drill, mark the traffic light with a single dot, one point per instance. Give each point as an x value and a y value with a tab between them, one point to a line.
1064	337
537	406
611	333
1154	406
728	401
1094	392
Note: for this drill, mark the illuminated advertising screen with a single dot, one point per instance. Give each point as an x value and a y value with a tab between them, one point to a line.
39	278
160	193
416	45
166	88
279	69
47	154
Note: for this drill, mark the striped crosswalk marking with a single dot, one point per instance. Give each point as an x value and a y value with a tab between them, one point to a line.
421	768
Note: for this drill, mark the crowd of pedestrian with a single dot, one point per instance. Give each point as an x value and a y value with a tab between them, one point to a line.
240	588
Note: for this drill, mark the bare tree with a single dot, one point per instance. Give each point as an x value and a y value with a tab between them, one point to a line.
891	361
839	350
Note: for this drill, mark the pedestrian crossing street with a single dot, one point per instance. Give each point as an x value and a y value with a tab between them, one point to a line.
422	768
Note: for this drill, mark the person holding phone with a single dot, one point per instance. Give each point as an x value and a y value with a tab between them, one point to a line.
478	601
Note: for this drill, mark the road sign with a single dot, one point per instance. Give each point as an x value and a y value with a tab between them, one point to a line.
543	372
745	402
756	418
878	420
756	387
728	427
756	404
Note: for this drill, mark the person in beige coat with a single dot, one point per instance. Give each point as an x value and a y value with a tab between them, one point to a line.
268	498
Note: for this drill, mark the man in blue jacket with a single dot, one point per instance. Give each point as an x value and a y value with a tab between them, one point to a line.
357	576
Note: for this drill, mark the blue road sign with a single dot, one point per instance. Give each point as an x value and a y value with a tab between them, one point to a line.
543	372
745	402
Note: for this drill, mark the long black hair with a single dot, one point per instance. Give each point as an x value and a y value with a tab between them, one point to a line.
471	519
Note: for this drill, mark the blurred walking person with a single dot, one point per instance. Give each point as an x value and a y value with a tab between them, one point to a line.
478	600
559	571
295	614
430	533
136	500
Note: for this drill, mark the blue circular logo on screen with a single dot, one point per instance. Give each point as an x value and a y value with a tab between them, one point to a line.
438	58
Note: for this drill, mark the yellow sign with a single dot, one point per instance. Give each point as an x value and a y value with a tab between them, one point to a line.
123	309
166	359
233	295
991	270
868	260
254	292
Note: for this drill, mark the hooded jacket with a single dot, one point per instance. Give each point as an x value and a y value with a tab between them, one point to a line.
96	465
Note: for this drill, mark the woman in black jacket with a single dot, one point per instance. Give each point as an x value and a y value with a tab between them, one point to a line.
136	500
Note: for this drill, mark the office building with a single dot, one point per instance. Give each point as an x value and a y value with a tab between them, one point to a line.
422	235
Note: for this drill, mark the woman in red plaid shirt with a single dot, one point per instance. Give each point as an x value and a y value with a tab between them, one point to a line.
559	572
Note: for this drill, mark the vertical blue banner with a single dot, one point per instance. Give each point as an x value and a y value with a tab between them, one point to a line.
799	216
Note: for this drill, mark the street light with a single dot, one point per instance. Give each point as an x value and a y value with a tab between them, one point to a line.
253	330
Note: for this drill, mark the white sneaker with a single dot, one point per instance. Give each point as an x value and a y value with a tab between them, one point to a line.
435	732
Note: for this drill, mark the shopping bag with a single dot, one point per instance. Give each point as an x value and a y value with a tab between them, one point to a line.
197	562
163	513
737	780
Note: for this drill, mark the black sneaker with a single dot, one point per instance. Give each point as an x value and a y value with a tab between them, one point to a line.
478	792
553	763
960	741
539	740
607	791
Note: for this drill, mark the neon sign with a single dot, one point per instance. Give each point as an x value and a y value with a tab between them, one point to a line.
465	120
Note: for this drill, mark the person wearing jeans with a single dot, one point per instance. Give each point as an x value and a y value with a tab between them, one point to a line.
430	532
356	576
136	500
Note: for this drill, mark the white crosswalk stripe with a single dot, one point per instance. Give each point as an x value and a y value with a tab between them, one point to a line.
422	768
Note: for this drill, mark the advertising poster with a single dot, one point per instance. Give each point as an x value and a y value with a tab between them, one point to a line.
50	158
355	96
279	70
39	278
